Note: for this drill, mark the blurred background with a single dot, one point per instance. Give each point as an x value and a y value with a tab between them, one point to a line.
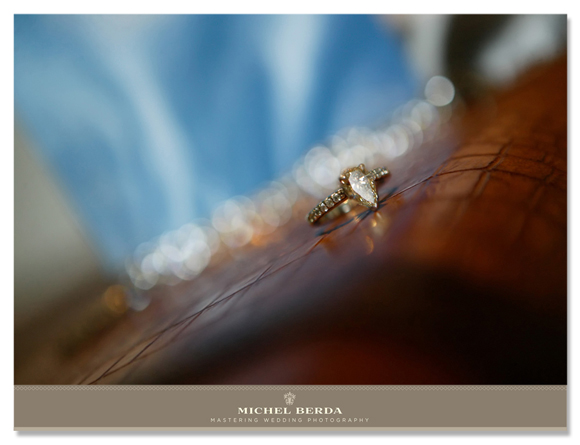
131	126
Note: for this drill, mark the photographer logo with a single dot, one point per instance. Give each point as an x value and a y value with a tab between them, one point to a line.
289	397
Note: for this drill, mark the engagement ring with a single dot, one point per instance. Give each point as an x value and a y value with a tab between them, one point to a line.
357	185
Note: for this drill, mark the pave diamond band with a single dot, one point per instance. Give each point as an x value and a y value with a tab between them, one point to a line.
378	173
357	185
326	205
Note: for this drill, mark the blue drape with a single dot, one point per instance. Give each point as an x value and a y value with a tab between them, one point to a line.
149	121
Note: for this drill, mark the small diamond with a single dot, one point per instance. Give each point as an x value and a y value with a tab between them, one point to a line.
317	212
323	207
329	202
336	197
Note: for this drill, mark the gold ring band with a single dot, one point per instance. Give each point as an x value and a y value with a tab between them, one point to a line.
357	185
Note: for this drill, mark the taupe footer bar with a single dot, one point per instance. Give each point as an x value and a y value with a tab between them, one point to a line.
291	408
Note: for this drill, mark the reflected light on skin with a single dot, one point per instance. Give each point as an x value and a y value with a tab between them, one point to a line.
370	245
378	225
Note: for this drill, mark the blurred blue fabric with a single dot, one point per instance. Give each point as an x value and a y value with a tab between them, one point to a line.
149	121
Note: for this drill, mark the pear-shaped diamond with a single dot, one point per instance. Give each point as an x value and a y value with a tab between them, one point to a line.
362	186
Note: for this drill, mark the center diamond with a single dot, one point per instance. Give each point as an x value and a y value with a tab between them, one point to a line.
362	186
